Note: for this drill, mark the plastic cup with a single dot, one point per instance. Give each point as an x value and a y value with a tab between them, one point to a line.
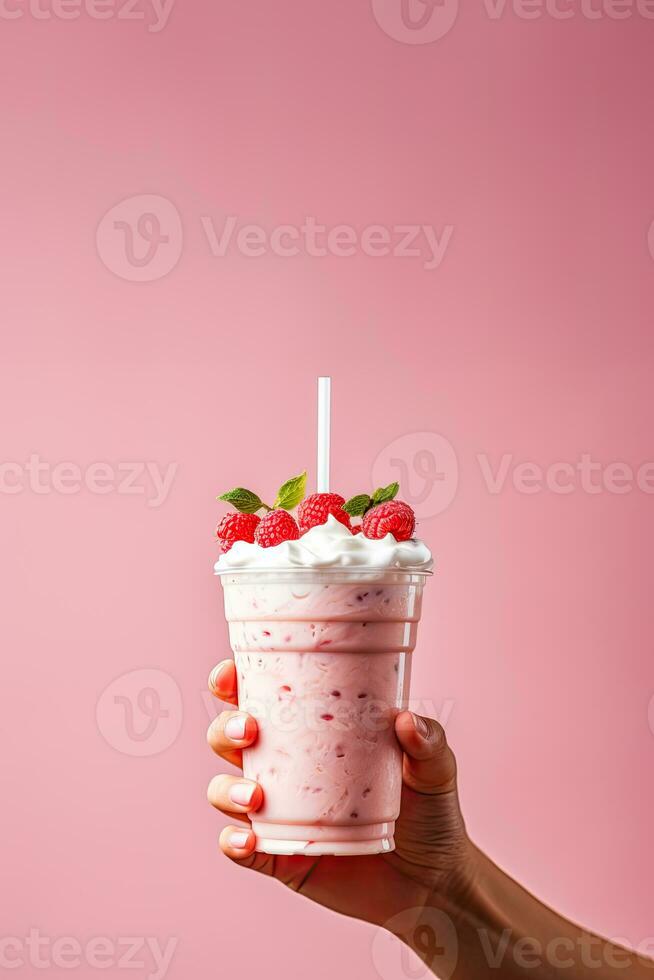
323	660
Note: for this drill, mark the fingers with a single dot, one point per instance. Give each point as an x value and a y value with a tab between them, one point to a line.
234	795
237	842
222	681
228	734
429	763
231	732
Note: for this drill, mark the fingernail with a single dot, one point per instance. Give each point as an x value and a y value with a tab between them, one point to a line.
215	674
235	727
239	838
421	725
242	793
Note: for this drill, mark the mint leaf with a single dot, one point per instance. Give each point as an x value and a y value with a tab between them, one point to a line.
243	500
382	494
292	492
357	506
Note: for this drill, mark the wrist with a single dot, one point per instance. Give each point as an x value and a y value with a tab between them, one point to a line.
461	890
457	913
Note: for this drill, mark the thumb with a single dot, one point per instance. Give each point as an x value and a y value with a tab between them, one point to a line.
429	763
430	834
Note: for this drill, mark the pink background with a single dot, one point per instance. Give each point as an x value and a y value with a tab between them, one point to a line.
534	140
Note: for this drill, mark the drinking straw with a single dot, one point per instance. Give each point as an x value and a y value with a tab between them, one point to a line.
324	404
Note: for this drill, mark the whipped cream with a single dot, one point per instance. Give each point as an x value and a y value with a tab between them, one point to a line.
329	545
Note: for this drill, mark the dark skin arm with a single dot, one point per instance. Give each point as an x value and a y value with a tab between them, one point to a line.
463	916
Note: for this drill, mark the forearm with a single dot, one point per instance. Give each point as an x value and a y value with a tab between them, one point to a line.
494	928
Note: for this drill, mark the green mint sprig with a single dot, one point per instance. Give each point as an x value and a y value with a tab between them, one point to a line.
360	504
288	496
292	492
243	500
357	506
382	494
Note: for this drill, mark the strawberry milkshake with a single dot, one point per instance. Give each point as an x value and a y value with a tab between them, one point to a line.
322	621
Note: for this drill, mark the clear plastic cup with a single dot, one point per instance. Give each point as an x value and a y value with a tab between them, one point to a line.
323	660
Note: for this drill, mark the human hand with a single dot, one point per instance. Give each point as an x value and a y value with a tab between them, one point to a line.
432	859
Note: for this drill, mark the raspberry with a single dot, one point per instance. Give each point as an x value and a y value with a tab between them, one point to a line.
317	508
236	527
276	526
394	516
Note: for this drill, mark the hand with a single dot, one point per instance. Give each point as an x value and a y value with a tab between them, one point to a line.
432	859
434	867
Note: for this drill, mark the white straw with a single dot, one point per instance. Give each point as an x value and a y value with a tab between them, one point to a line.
324	399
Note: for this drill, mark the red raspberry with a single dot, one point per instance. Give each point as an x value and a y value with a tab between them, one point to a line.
394	516
276	526
236	527
317	508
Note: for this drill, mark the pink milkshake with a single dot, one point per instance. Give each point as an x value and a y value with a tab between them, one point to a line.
322	630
